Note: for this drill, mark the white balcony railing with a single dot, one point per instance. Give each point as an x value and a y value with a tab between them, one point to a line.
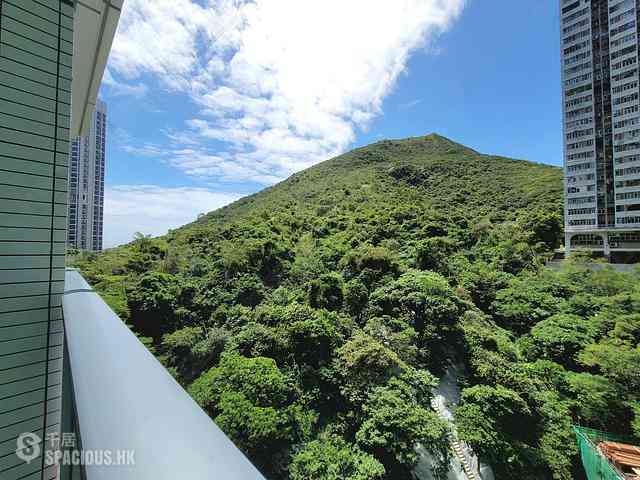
125	400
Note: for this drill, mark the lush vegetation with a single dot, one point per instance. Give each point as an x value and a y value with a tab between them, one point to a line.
311	320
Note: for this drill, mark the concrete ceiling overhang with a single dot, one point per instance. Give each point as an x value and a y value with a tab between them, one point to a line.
95	26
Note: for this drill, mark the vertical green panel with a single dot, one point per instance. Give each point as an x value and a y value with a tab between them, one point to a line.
35	56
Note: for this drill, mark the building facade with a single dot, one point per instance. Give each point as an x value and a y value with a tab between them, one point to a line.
86	184
601	124
36	49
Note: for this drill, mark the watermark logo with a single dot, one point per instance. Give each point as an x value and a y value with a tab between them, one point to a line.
28	447
61	449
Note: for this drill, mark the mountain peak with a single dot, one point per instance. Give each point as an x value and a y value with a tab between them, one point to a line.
442	142
432	144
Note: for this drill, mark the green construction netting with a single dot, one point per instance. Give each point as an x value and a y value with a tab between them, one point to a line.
596	466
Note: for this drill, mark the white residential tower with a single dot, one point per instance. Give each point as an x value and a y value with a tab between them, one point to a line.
86	184
601	105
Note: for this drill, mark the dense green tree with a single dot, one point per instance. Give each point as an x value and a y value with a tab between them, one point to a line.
264	255
232	318
490	420
258	379
596	399
233	259
258	340
327	292
258	430
396	422
618	362
208	349
283	296
333	458
178	346
355	297
275	315
542	227
363	363
251	400
370	263
608	282
523	304
423	299
153	303
248	290
308	263
313	341
482	282
559	338
585	304
139	262
435	254
397	335
626	329
556	442
489	350
635	423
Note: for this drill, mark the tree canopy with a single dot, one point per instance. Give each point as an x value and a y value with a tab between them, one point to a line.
311	320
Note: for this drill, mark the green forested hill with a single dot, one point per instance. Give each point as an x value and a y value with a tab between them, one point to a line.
312	319
429	172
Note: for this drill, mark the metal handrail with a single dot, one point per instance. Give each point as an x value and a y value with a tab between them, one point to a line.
126	401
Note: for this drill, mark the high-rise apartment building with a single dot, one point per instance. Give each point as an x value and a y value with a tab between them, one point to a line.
601	105
86	184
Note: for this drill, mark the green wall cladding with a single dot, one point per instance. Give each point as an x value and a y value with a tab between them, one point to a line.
35	94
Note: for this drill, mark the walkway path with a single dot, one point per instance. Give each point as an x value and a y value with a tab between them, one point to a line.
465	464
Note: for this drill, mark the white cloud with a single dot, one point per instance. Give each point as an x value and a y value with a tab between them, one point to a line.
144	150
119	89
282	84
154	210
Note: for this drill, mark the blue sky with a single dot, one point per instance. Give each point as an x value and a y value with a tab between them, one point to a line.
494	86
210	100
